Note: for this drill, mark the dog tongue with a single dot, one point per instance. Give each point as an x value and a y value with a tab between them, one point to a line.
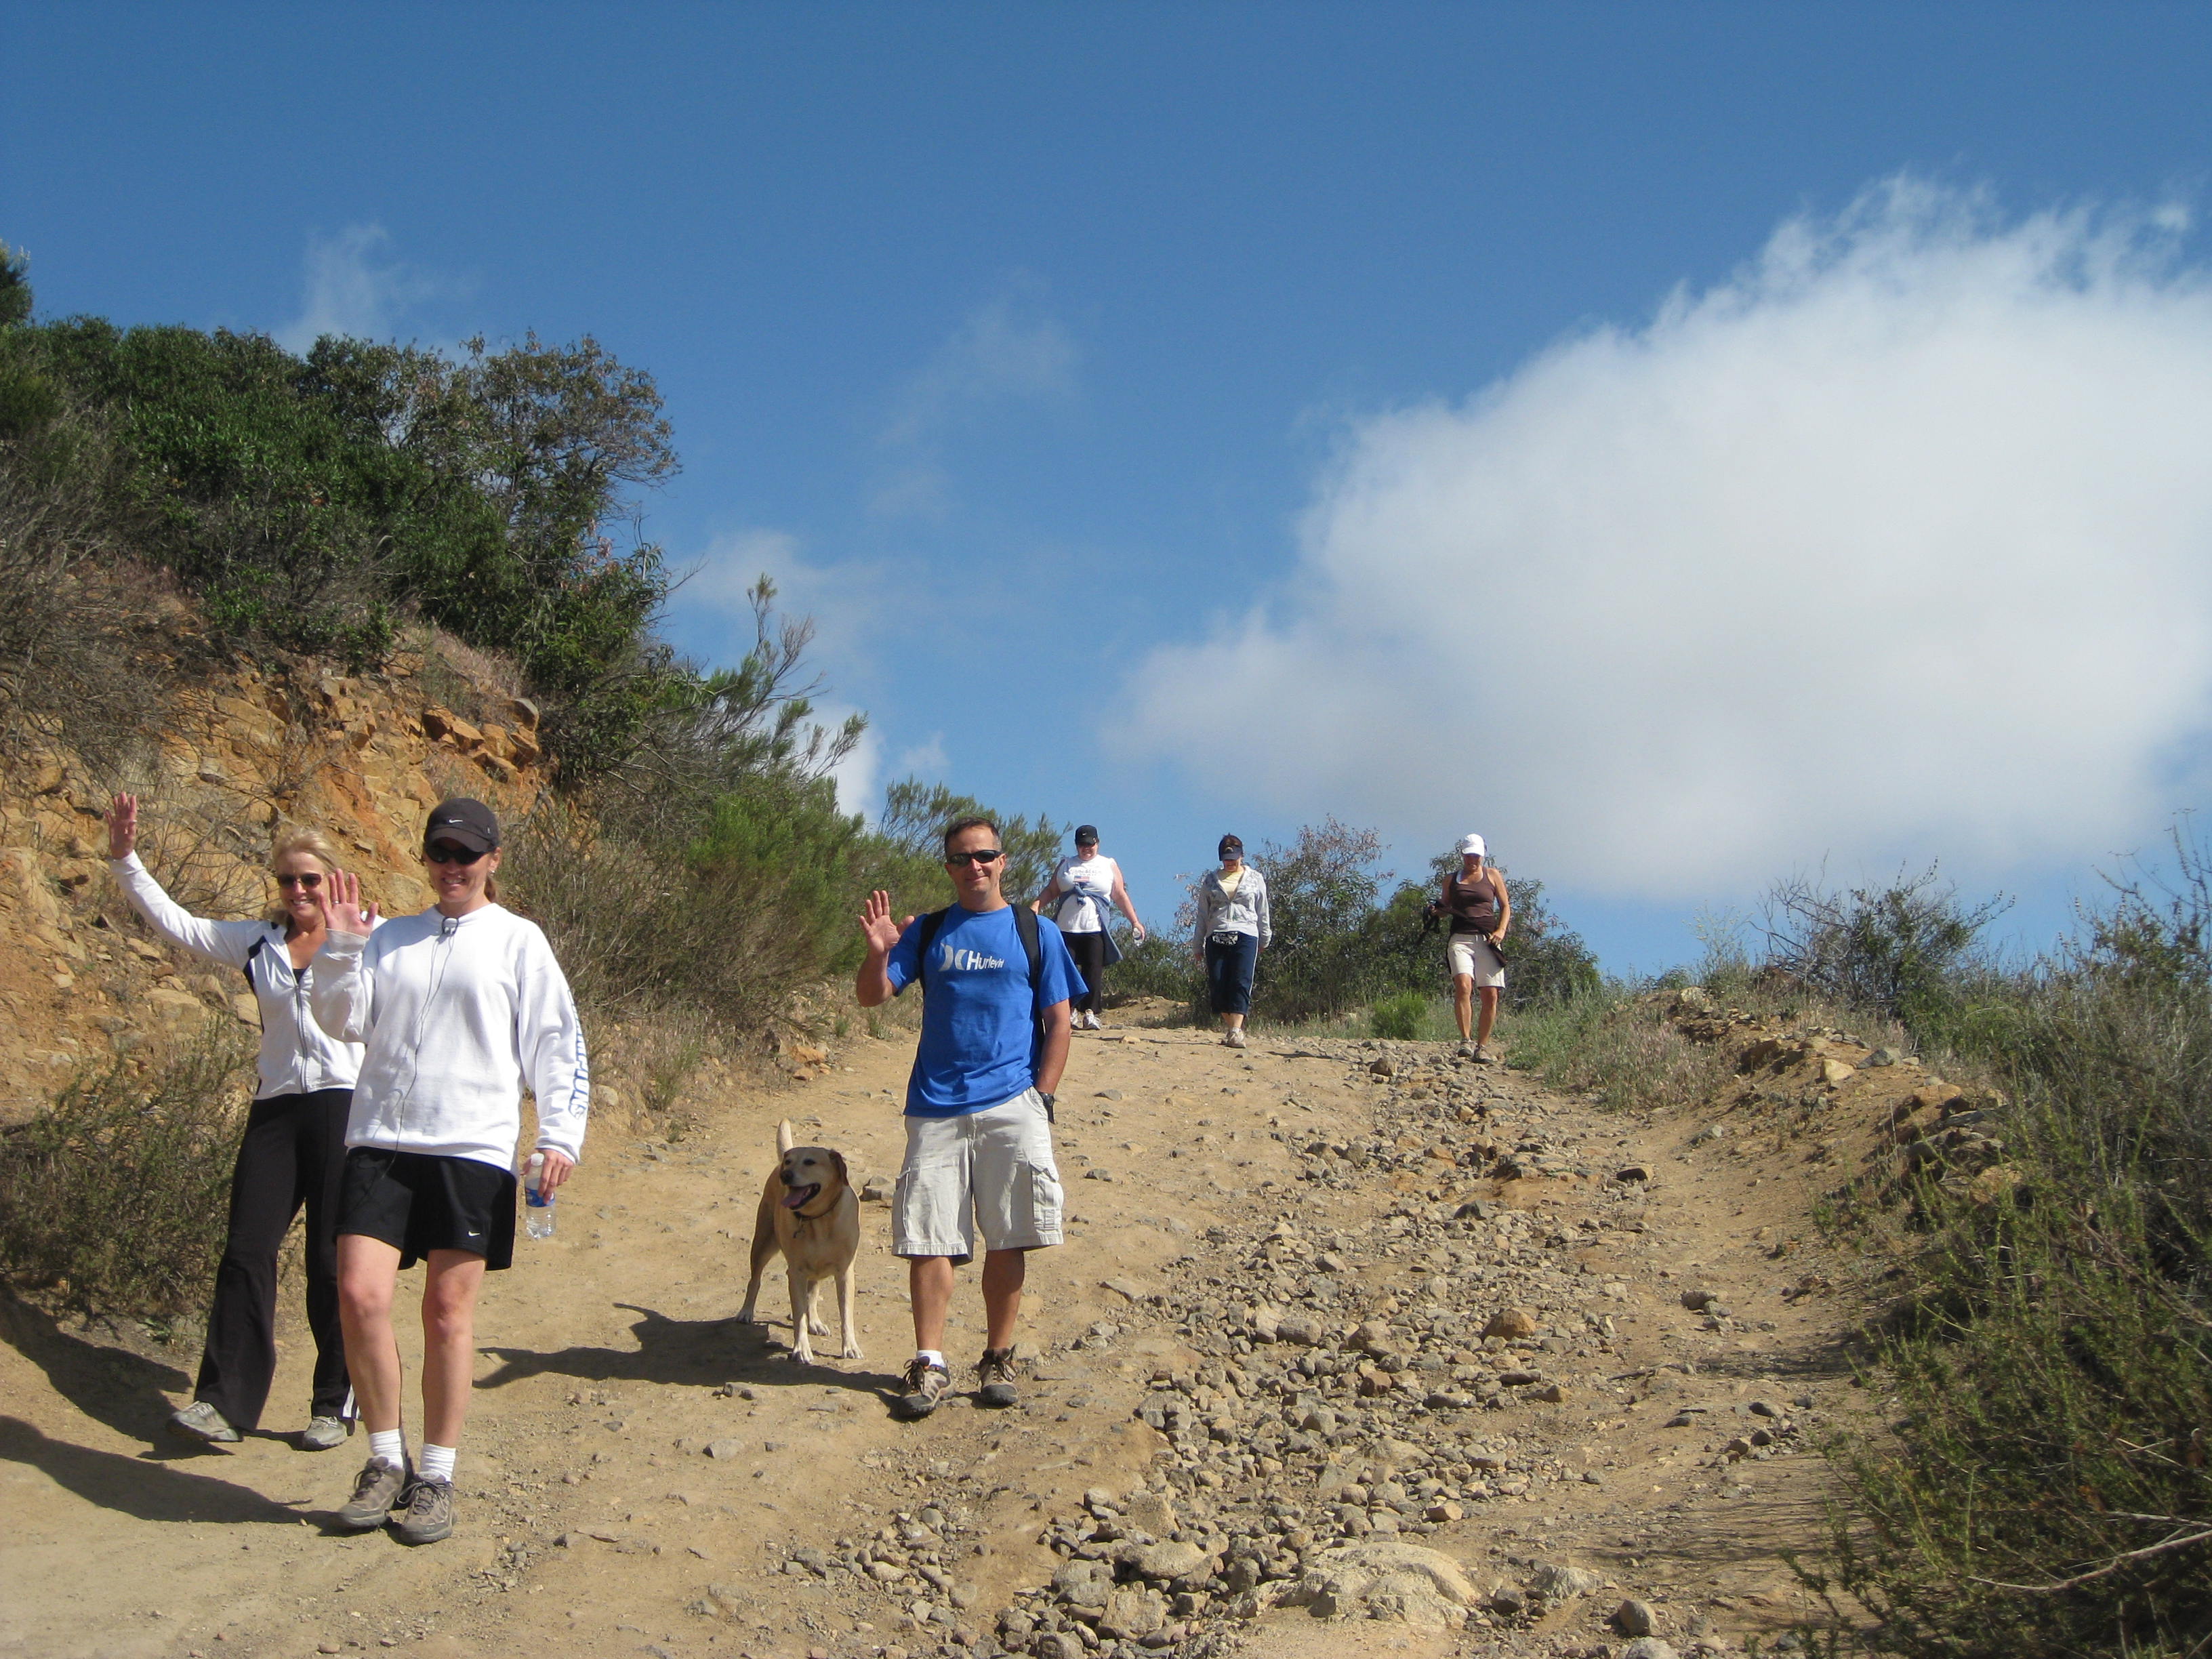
799	1195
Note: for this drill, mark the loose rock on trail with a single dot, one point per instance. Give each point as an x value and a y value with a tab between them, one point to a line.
1353	1347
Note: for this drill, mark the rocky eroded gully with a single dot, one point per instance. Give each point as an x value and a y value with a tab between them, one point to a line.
1353	1348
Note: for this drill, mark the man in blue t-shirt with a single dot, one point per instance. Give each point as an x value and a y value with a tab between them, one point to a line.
978	1103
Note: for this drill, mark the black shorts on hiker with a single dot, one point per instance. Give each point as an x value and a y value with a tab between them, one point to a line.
419	1202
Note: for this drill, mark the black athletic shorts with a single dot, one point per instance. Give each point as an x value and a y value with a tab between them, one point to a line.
418	1202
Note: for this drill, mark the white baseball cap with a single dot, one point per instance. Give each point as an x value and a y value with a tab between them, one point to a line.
1470	844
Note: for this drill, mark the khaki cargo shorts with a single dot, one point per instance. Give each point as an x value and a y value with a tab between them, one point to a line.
990	1172
1471	954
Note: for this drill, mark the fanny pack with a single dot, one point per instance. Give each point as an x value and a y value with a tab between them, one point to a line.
1225	936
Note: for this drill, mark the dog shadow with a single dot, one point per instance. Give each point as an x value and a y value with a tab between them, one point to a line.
688	1352
147	1491
108	1383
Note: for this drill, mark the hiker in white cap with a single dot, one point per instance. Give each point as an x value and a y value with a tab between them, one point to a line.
1474	898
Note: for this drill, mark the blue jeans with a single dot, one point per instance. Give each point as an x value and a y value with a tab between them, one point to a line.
1229	974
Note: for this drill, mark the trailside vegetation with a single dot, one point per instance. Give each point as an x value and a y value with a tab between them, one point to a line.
310	503
2045	1482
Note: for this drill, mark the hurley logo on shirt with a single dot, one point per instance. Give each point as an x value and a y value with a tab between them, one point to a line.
949	958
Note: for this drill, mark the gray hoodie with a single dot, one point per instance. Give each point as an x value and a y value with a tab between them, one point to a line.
1244	911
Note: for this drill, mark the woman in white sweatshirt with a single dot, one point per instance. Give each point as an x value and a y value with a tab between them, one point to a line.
462	1008
294	1148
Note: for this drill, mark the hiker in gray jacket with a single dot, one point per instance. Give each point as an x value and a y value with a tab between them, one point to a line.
1233	928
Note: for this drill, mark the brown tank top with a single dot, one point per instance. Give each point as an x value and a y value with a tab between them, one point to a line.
1474	905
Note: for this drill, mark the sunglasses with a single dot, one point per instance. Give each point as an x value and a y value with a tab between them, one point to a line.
308	882
964	859
444	852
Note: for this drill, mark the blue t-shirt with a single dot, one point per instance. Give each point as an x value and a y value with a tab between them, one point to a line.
979	1040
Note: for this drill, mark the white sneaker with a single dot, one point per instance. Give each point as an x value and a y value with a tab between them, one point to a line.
1091	1021
1235	1039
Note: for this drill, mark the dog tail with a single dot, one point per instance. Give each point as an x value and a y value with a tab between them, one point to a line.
783	1135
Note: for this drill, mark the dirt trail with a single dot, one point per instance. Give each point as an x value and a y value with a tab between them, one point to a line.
642	1474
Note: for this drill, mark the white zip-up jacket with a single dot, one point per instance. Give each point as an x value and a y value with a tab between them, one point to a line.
460	1014
297	1057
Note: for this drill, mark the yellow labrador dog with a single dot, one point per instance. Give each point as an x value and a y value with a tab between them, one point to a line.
808	1211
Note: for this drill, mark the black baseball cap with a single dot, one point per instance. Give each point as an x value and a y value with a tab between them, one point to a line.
469	822
1086	834
1228	842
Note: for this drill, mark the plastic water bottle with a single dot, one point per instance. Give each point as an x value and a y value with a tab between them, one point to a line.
537	1204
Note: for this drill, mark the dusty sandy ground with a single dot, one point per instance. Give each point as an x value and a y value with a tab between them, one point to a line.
594	1519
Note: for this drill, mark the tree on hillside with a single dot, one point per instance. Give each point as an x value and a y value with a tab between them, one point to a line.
15	287
911	833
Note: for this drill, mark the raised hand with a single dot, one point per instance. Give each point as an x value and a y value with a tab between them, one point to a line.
347	914
123	827
877	926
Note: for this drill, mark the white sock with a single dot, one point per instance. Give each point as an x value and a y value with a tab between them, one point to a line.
436	1462
390	1445
930	1357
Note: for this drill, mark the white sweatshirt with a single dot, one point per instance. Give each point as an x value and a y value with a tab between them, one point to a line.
296	1057
460	1015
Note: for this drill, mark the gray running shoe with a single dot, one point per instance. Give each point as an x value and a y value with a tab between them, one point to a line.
375	1492
1235	1039
325	1433
202	1422
428	1515
1485	1054
996	1371
926	1385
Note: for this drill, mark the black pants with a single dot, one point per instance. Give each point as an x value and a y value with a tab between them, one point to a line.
1089	951
293	1154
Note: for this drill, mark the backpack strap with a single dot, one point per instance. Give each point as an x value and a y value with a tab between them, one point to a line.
259	945
1025	924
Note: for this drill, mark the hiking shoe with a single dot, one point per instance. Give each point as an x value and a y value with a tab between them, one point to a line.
1234	1039
325	1433
995	1370
375	1491
926	1384
202	1422
1485	1054
427	1515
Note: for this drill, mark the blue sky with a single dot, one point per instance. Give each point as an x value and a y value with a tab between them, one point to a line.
1688	443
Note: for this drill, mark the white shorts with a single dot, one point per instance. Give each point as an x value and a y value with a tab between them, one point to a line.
1471	954
990	1171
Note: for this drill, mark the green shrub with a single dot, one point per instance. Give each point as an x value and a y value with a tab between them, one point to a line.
1615	1041
116	1196
1403	1016
2047	1486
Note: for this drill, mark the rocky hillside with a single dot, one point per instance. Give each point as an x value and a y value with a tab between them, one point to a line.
361	757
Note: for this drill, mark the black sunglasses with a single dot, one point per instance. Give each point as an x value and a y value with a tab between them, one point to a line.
975	857
444	852
308	882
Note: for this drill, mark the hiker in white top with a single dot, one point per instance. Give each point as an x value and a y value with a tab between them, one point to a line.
463	1007
293	1150
1083	892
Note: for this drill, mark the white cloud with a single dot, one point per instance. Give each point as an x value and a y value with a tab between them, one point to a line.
854	604
1898	542
1006	351
350	288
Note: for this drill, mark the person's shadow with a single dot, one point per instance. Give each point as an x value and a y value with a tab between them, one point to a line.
109	1384
131	1485
697	1352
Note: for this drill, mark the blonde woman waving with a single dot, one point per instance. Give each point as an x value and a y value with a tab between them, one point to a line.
294	1148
